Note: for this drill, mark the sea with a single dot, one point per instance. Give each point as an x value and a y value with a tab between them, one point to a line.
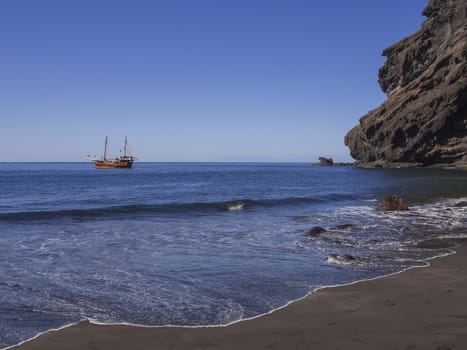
196	244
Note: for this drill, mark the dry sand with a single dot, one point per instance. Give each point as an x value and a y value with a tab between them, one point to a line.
423	308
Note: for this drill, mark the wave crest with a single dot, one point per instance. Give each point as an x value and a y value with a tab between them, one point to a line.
148	209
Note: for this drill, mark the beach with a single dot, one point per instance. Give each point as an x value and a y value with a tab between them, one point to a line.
421	308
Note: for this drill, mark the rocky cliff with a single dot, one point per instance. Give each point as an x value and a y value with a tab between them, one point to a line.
424	119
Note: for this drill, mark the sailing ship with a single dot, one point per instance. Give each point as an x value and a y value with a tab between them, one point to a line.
124	161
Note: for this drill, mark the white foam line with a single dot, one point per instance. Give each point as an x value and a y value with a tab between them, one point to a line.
427	264
90	320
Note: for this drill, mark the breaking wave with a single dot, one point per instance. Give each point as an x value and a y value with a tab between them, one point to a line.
154	209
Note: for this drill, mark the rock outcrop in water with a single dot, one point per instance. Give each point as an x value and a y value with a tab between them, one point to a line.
315	231
323	161
393	203
423	122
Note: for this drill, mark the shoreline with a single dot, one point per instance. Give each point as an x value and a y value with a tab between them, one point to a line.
330	317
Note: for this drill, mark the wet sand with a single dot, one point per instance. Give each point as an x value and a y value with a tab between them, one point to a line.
422	308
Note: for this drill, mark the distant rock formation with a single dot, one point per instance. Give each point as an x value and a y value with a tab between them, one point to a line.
323	161
423	122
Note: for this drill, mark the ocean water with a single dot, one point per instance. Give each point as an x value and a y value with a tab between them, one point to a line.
204	243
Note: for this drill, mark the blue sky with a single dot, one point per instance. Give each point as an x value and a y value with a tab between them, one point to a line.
192	80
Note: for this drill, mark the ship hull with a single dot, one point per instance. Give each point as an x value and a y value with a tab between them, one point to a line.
100	164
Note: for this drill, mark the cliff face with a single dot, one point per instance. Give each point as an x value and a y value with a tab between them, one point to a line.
424	119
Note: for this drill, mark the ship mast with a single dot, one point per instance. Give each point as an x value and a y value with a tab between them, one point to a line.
105	149
124	149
